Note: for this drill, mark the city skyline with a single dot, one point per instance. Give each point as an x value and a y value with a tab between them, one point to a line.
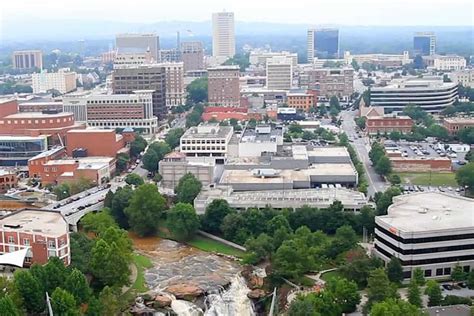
364	12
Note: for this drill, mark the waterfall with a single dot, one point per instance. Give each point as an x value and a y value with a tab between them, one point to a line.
185	308
230	302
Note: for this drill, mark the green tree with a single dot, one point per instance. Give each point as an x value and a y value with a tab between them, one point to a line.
62	191
31	292
197	91
173	137
470	279
214	215
293	259
77	285
108	265
376	152
383	166
122	162
295	128
109	196
466	135
109	301
81	250
134	179
378	288
98	222
277	222
414	294
465	176
8	307
395	136
145	209
315	304
232	228
457	274
160	148
395	270
418	277
394	307
9	289
188	188
137	146
355	65
360	122
120	238
434	293
345	293
260	247
63	303
394	179
469	156
334	102
385	199
241	60
120	202
345	239
150	161
182	221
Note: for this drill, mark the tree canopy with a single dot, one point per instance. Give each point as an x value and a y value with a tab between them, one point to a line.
188	188
182	221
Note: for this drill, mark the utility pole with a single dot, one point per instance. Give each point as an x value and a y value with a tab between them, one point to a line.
48	302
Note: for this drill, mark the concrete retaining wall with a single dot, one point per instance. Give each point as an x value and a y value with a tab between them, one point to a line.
225	242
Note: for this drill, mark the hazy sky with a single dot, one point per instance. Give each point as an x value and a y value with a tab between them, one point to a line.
349	12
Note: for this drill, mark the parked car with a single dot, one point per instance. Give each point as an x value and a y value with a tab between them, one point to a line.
448	287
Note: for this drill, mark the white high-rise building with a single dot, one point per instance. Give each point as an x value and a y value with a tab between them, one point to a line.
223	34
279	73
63	81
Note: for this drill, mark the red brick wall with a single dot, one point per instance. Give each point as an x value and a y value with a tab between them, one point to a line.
388	124
97	143
35	166
420	165
50	173
8	108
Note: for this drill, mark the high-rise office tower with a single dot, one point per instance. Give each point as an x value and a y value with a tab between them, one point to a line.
138	43
323	43
424	43
27	59
126	80
192	54
223	34
279	73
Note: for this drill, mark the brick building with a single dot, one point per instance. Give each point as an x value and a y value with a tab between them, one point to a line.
455	124
192	54
387	124
35	123
8	180
223	86
300	100
329	81
35	164
43	232
97	142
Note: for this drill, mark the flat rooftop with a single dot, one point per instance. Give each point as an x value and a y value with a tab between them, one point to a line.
48	223
39	115
91	130
328	152
289	175
430	211
208	131
460	120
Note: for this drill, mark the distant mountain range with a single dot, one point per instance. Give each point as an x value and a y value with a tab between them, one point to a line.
46	33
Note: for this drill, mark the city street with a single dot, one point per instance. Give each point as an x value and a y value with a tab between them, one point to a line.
362	147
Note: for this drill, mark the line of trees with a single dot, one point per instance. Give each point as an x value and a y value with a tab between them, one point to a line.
363	184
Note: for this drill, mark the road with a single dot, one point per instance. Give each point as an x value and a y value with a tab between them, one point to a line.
362	147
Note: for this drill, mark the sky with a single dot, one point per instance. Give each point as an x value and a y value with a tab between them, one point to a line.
317	12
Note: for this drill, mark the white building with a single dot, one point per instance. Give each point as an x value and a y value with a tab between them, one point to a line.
114	110
138	43
206	142
464	77
445	63
223	35
279	73
63	81
132	59
261	57
431	94
428	230
262	138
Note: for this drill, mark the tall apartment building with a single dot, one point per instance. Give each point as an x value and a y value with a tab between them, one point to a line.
424	43
42	234
27	59
192	54
223	34
432	95
322	43
138	43
115	110
223	86
63	81
430	231
125	80
174	77
329	82
279	73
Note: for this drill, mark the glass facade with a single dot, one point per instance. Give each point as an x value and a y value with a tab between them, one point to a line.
17	150
326	43
421	45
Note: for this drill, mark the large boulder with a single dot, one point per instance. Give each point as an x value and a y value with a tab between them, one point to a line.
162	301
185	291
256	294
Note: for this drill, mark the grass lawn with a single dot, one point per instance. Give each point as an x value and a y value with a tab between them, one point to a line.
330	275
142	263
210	245
437	179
